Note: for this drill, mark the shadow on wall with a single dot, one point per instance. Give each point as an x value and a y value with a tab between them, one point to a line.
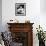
43	6
0	15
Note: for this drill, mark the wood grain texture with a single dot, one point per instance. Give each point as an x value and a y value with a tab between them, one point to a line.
23	27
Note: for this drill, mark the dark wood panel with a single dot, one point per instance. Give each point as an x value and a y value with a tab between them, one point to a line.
22	27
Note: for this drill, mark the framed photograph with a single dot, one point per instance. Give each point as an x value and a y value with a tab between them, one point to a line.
20	9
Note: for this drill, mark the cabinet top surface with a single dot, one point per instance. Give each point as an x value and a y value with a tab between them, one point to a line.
19	23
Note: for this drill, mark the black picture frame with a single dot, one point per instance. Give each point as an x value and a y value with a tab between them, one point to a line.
20	9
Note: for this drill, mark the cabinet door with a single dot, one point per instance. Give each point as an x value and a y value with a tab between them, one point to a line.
20	37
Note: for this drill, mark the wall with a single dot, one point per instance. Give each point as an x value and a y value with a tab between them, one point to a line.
33	13
0	15
43	6
43	14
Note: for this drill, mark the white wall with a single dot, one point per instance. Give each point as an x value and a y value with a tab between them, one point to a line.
43	14
43	6
33	13
0	15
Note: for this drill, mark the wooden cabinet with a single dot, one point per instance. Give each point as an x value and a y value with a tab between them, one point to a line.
22	33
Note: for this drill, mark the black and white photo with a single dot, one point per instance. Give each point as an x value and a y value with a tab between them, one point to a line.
20	9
